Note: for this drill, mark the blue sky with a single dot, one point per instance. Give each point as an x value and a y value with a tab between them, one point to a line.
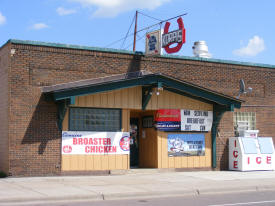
241	30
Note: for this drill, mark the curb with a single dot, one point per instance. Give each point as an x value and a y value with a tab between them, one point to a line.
137	195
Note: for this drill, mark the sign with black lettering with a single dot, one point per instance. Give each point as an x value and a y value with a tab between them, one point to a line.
196	120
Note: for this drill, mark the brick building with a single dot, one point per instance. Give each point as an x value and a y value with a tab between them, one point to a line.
42	84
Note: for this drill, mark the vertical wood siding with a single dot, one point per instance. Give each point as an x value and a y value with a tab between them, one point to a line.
153	148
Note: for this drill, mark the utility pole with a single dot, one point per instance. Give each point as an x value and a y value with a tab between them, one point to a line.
135	33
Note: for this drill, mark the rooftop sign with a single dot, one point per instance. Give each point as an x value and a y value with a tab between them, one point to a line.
177	36
153	43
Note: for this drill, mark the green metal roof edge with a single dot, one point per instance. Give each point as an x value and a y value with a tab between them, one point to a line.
70	46
222	61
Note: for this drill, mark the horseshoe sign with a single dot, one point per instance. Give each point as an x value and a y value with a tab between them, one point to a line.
173	37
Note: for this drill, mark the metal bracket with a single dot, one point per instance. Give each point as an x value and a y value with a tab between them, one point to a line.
146	96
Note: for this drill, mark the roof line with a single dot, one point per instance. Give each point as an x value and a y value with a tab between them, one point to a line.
123	77
70	46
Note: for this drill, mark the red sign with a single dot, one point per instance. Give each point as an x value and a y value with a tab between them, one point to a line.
168	115
67	149
124	143
177	36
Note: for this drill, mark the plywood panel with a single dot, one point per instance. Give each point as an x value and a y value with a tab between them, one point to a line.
125	161
171	162
96	101
184	162
94	162
138	97
65	123
111	99
89	162
208	149
125	120
190	162
119	163
196	160
164	151
103	100
74	162
202	161
130	98
177	162
65	163
81	160
170	100
178	101
124	98
112	162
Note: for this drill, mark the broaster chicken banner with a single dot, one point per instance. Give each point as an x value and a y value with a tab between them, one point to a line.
95	143
183	120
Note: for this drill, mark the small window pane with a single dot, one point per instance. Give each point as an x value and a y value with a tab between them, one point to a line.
90	119
266	145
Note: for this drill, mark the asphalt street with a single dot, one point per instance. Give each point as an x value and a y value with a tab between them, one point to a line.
266	198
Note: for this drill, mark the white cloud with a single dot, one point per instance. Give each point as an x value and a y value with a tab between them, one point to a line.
111	8
2	19
62	11
39	26
255	46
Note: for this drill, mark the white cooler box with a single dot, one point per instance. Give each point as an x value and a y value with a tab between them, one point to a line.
251	153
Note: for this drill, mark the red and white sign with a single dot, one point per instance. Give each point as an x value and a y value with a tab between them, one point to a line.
183	120
95	143
168	115
173	37
153	43
246	154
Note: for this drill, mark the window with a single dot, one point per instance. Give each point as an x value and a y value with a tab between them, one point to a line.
148	122
244	121
93	119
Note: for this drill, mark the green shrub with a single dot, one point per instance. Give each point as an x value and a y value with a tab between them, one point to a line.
3	174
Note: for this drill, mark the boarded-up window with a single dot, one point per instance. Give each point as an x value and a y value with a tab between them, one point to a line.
94	119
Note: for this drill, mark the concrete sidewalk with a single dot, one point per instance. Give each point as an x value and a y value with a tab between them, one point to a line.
141	185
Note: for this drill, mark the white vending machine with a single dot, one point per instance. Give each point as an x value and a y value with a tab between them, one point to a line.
251	153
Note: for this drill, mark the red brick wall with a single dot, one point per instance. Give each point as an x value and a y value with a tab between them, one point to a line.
4	98
35	139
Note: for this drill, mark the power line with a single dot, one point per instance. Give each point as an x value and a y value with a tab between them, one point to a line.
149	16
140	38
127	32
147	28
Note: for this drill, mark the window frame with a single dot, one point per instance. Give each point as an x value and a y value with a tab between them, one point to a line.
118	109
247	115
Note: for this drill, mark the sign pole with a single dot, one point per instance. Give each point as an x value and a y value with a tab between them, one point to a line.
135	33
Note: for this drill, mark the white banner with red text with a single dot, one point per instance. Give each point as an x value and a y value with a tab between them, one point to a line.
95	143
